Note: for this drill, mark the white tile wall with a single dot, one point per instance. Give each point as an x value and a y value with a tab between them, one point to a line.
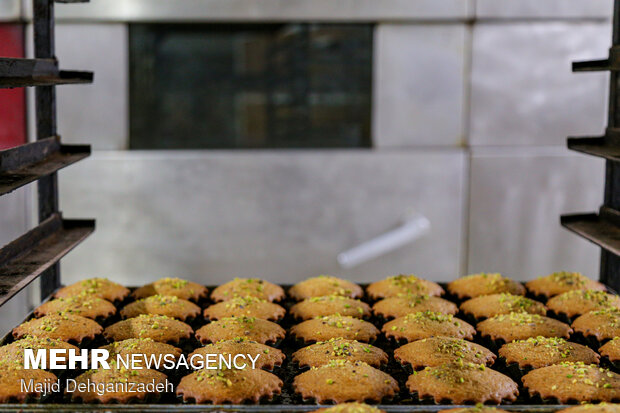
551	9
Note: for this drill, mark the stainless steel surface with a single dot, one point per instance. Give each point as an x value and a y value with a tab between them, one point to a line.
283	215
552	9
10	10
419	85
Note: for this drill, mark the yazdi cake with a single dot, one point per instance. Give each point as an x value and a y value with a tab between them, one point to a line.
573	383
403	304
486	306
352	407
11	375
578	302
325	285
403	284
611	350
121	385
150	348
268	359
426	324
166	305
229	386
256	329
66	327
245	306
324	352
334	326
561	282
599	326
15	350
84	305
187	290
98	287
244	287
156	327
505	328
462	383
476	285
593	408
342	381
537	352
329	305
436	351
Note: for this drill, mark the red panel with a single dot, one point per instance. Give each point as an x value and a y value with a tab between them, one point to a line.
12	101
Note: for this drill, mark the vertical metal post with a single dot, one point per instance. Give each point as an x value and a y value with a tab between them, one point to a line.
45	97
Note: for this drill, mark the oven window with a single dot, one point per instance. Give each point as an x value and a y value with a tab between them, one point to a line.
250	86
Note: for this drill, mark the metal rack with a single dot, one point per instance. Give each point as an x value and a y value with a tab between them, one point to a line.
37	252
603	228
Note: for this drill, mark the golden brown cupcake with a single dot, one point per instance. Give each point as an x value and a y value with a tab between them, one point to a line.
521	326
157	327
342	381
403	284
229	386
573	382
593	408
330	305
561	282
323	352
269	357
536	352
427	324
11	375
484	283
244	287
147	346
478	408
245	306
85	305
403	304
351	408
133	387
462	383
168	305
334	326
325	285
578	302
600	325
66	327
486	306
256	329
14	352
186	290
611	350
436	351
98	287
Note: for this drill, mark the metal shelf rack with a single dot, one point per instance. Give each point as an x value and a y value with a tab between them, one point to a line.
37	253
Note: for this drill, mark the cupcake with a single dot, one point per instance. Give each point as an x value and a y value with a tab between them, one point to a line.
402	284
14	352
324	352
167	305
351	408
561	282
436	351
98	287
484	283
11	376
505	328
427	324
537	352
256	329
403	304
599	326
462	383
593	408
122	386
147	346
244	287
334	326
486	306
330	305
577	302
65	327
245	306
342	381
229	386
573	383
268	359
156	327
325	285
611	351
84	305
176	287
